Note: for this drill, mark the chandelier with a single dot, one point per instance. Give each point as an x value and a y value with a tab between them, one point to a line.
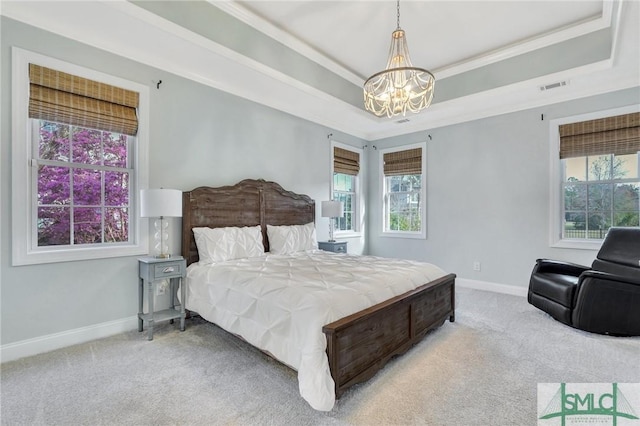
401	86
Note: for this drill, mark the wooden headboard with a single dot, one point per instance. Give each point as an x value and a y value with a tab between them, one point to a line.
250	202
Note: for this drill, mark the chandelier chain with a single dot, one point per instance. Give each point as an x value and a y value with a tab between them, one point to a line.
398	10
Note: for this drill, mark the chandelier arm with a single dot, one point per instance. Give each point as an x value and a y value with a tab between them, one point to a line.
399	69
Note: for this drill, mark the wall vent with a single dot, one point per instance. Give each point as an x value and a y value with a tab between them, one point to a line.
554	85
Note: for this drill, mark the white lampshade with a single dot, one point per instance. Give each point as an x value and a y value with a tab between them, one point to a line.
160	203
332	209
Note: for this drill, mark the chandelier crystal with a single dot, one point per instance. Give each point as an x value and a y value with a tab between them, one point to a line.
401	86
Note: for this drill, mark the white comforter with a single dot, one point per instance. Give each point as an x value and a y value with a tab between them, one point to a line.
279	303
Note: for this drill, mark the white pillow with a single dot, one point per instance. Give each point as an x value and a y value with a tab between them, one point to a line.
220	244
291	238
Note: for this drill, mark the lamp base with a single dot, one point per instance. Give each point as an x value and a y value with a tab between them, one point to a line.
161	236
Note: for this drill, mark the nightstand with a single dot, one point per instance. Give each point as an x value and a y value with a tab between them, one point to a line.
334	246
152	269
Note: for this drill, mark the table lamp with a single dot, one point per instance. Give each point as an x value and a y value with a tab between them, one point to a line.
331	209
161	203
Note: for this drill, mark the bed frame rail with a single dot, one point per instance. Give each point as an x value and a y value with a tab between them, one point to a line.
361	344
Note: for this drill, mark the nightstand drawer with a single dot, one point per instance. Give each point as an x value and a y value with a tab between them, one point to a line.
340	248
167	270
334	246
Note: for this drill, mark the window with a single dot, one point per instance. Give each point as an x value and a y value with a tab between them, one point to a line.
404	189
345	187
80	138
599	175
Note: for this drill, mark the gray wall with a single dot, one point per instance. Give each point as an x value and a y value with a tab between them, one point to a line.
487	193
198	136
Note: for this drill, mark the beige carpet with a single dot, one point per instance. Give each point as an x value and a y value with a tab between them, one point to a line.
481	370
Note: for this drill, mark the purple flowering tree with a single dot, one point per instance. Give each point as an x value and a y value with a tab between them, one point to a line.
83	186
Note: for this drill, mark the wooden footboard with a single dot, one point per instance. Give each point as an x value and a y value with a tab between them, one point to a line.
361	344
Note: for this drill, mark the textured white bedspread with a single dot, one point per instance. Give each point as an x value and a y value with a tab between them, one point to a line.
279	303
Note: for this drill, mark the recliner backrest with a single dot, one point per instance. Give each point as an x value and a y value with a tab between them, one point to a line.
620	253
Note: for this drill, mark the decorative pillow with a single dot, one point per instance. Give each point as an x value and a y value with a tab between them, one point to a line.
220	244
292	238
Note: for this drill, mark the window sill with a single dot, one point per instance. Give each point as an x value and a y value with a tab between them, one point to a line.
71	255
411	235
577	244
347	235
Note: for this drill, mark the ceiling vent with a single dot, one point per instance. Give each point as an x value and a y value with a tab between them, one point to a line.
554	85
404	120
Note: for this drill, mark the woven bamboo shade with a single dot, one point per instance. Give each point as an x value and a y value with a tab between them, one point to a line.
611	135
345	161
408	162
65	98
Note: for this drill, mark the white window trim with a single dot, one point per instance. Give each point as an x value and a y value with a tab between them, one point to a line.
358	214
423	193
556	203
23	250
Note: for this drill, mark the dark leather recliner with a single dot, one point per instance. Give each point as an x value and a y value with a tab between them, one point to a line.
602	299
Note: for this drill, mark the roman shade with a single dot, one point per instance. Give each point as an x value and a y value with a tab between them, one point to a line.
407	162
611	135
345	161
65	98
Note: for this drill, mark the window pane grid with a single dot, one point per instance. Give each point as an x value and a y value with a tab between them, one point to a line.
403	209
345	222
344	186
85	171
609	197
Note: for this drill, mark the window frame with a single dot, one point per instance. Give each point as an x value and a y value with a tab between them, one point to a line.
357	216
556	181
422	234
23	200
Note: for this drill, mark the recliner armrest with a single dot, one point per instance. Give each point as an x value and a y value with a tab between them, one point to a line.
559	267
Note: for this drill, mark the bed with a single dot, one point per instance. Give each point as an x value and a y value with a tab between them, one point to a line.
354	346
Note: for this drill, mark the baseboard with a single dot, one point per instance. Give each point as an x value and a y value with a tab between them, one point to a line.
50	342
23	348
495	287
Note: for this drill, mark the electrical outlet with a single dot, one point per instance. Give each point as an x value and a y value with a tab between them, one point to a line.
476	266
161	288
